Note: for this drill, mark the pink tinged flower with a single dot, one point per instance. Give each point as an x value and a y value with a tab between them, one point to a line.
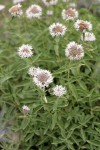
57	29
16	10
74	51
73	5
2	7
83	25
34	11
65	1
43	78
59	90
89	37
25	51
50	2
49	12
69	14
33	71
25	110
18	1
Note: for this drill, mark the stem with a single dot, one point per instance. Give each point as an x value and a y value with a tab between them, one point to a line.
83	36
56	47
56	104
44	97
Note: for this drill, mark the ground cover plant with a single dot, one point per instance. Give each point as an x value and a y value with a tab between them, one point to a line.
49	75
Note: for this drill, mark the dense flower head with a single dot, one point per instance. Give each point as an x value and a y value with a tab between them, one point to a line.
49	12
50	2
25	51
72	5
57	29
16	10
88	37
43	78
33	71
18	1
83	25
25	109
34	11
74	51
65	1
59	90
69	14
2	7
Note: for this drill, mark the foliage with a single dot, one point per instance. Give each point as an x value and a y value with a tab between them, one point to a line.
71	122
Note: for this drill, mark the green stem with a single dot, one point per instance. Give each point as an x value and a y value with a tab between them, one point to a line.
44	97
56	47
56	104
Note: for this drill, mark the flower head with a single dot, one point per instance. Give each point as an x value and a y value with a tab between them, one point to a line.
43	78
88	37
16	10
72	5
2	7
74	51
34	11
33	71
25	110
65	1
25	51
83	25
49	12
50	2
57	29
59	90
69	14
18	1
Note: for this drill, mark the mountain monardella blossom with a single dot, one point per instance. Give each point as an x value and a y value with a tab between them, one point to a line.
25	51
50	2
34	11
69	14
57	29
83	25
43	78
25	110
18	1
16	10
88	37
74	51
59	90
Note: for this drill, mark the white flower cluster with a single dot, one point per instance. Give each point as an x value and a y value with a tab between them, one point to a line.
17	1
25	110
25	51
57	29
72	5
74	51
89	37
16	10
50	2
69	14
59	90
65	1
2	7
34	11
42	78
49	12
83	25
33	71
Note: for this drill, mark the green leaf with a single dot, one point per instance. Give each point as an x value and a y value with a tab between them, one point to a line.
83	135
54	120
93	142
25	123
73	90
